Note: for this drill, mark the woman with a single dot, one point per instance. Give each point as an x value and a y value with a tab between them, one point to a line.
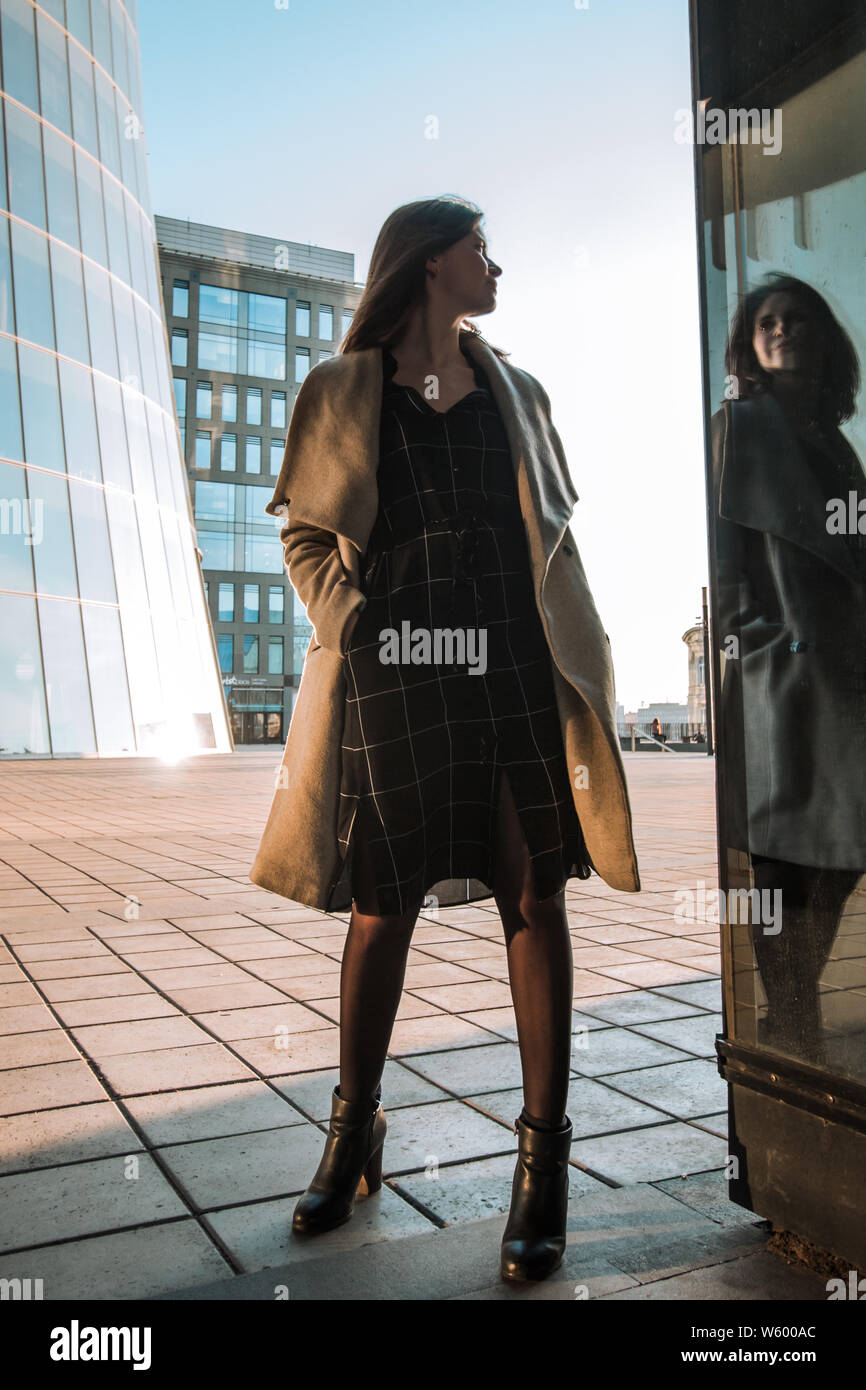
792	630
454	733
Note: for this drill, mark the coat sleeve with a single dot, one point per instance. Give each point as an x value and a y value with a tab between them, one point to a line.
319	578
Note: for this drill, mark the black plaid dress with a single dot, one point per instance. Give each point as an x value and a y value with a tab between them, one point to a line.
426	742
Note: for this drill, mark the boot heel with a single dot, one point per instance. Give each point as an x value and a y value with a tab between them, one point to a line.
371	1179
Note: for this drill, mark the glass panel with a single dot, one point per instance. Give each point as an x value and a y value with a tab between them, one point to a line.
22	694
53	74
69	312
115	222
326	322
112	433
263	554
92	550
230	404
100	319
108	685
90	209
276	603
55	562
275	656
101	32
323	354
204	400
19	52
278	410
83	100
254	454
107	121
180	396
202	449
229	453
21	528
267	312
785	339
66	686
254	405
302	319
302	363
214	501
225	648
251	603
24	166
7	300
278	448
217	548
32	285
251	654
217	304
217	352
40	403
226	603
179	343
130	365
180	299
348	315
78	20
266	359
11	442
79	421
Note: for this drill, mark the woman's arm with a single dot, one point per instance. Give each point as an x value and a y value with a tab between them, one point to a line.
317	574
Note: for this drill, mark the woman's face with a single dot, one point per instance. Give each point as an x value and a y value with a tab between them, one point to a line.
786	337
466	275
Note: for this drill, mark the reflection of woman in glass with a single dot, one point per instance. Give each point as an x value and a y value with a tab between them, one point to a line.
792	614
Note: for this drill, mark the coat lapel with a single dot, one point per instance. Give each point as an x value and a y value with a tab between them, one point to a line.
328	474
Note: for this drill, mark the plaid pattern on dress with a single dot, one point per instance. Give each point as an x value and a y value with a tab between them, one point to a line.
424	745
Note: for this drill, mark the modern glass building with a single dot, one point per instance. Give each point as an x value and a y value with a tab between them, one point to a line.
248	316
107	647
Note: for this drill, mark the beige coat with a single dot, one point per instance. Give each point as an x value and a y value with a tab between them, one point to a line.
327	489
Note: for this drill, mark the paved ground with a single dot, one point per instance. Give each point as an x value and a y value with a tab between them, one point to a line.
171	1042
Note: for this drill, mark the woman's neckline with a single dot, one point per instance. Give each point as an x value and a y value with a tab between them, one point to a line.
390	364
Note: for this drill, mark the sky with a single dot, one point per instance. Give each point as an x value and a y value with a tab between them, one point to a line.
308	120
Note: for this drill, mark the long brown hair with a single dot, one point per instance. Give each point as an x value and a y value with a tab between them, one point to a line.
397	279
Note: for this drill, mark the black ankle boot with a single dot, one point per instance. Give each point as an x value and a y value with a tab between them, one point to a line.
351	1163
534	1240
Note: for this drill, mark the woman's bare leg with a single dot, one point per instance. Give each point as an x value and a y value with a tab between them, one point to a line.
539	968
371	979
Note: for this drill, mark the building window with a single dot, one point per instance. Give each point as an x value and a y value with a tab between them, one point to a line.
217	548
251	654
326	322
202	449
180	299
230	404
278	448
302	319
179	346
302	363
348	315
229	453
225	647
217	352
254	405
203	400
323	353
216	304
214	502
226	603
278	410
254	454
275	656
266	313
180	397
276	603
251	603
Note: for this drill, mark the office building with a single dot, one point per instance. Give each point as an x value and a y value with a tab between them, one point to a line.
107	647
248	317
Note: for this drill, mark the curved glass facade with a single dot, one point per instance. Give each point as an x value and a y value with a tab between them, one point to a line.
107	645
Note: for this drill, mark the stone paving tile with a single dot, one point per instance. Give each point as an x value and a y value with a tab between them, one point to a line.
652	973
210	1112
260	1236
441	1132
469	1191
706	994
616	1050
45	1138
696	1035
34	1049
648	1155
484	994
139	1073
708	1194
60	950
43	1087
465	1070
93	987
141	1263
82	1199
760	1276
438	1031
25	1018
239	1168
75	969
209	998
311	1091
637	1007
124	1008
592	1107
307	1051
140	1035
266	1021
